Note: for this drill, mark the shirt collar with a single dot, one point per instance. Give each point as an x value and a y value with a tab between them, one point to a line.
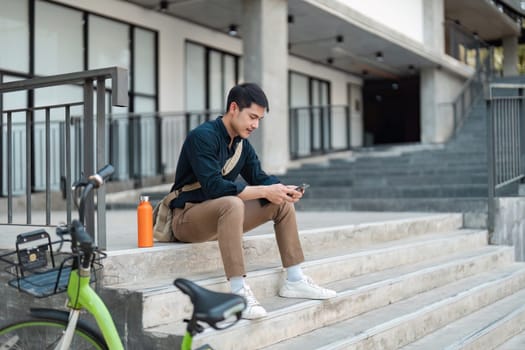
224	132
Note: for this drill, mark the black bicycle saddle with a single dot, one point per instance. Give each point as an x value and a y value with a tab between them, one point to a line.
209	306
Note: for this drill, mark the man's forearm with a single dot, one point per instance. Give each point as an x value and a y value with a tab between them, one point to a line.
253	192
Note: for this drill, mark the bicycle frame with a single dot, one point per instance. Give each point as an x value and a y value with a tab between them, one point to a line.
82	296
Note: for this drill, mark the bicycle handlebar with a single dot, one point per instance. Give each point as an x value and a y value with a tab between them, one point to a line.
101	176
80	238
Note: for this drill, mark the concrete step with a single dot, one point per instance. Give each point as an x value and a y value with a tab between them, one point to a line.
179	259
424	190
161	298
474	209
486	329
396	180
515	343
432	204
357	296
383	172
400	323
350	179
387	165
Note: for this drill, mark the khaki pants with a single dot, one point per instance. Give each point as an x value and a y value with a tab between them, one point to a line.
225	219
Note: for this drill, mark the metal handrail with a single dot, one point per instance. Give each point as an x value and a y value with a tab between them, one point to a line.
471	90
118	76
96	138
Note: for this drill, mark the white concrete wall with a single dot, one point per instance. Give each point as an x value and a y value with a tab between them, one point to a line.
393	14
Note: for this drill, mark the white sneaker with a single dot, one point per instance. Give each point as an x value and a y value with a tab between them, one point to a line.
305	289
253	309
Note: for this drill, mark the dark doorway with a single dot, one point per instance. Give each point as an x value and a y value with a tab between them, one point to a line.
391	111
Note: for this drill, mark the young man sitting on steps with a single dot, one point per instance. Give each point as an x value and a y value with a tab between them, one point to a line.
211	205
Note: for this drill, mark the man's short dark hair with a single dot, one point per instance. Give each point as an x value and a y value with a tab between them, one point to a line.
246	94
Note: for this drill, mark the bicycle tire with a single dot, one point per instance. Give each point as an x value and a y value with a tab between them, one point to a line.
37	334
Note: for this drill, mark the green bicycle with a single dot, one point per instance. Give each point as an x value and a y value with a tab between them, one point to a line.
39	275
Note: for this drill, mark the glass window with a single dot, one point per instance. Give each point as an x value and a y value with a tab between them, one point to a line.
195	78
144	105
229	74
207	87
13	100
299	90
310	118
215	86
144	61
14	35
108	43
58	44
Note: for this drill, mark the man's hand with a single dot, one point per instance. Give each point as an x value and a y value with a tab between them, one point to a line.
279	193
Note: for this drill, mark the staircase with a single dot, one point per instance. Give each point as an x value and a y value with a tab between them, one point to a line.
420	282
427	281
436	178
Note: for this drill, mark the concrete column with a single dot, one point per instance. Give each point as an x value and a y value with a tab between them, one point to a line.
265	59
510	56
438	90
436	115
434	25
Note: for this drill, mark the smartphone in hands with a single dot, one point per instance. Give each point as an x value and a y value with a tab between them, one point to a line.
302	188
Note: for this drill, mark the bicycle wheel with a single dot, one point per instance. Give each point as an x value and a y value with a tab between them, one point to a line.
39	334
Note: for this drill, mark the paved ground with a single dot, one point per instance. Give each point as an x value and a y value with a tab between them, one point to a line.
122	226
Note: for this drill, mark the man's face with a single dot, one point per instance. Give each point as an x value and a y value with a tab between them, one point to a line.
246	121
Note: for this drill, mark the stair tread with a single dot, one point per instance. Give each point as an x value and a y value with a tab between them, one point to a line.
515	343
353	287
172	303
183	259
161	282
365	325
470	326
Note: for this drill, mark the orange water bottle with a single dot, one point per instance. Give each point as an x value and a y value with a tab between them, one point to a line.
145	223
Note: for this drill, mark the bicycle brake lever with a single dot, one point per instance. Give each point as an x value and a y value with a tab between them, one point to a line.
79	183
61	231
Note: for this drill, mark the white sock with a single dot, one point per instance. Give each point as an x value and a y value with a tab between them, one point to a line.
236	283
294	273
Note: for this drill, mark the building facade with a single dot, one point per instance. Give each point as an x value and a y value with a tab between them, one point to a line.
338	73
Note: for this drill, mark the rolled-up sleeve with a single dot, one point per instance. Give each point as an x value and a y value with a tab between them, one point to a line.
252	171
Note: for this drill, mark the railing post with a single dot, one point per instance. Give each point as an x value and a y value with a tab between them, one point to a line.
9	167
138	134
69	196
348	116
29	163
101	161
158	145
48	166
490	168
89	159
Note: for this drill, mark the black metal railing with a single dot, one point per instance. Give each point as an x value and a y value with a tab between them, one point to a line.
316	130
148	144
472	90
40	153
505	142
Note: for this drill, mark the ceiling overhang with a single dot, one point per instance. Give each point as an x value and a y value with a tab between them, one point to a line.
318	25
484	18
